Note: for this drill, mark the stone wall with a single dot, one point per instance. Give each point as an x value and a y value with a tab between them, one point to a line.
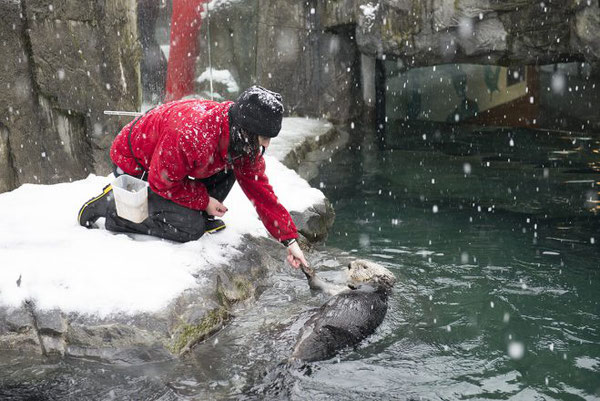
506	32
319	54
284	47
64	63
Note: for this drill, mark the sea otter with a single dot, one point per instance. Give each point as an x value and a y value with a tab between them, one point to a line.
352	314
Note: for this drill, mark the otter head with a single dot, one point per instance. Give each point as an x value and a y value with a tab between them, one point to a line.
364	271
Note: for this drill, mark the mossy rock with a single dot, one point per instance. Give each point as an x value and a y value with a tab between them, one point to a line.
188	335
231	290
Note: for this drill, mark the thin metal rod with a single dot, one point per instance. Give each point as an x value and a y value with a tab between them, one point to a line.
209	46
123	113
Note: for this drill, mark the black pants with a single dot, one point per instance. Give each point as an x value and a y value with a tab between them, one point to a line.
166	219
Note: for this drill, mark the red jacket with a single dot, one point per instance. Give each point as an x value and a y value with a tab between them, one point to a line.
190	138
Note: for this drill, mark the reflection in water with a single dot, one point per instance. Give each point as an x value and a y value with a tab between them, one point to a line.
558	96
492	235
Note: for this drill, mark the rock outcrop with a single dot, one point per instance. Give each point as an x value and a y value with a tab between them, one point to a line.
127	339
194	315
285	47
64	63
321	54
510	32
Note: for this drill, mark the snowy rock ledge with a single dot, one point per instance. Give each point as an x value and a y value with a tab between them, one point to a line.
124	298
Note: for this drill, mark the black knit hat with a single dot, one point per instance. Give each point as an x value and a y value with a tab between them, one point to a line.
258	111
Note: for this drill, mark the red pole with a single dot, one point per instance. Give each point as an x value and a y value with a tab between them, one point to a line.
186	21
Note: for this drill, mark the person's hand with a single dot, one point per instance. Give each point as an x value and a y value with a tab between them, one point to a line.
295	256
215	208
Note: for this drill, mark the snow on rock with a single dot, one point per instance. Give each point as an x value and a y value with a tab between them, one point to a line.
220	76
369	12
46	257
215	5
292	134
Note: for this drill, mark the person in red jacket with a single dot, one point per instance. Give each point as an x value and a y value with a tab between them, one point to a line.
191	152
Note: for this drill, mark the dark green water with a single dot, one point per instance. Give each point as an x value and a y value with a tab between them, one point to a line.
495	247
494	237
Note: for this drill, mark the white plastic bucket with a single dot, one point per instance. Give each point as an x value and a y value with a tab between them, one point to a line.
131	198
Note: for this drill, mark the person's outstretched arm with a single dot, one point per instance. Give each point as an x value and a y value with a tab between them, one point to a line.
274	216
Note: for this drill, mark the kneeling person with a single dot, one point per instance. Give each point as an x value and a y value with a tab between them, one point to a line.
191	152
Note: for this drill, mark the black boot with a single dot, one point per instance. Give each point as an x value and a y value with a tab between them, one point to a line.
212	225
95	208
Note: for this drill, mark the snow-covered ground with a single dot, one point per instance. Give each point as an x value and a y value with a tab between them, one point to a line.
59	264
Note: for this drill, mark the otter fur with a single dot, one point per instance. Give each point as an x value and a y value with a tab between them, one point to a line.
349	316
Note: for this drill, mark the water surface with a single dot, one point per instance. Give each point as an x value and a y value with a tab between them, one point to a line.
493	236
